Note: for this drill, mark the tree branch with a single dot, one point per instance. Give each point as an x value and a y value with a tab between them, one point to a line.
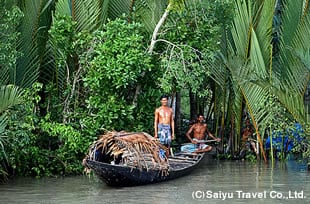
151	48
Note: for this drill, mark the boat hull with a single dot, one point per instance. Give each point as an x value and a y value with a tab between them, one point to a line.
119	175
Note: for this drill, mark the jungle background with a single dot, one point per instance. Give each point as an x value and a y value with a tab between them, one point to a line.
72	69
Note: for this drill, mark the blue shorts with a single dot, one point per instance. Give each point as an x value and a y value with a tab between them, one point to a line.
164	134
193	147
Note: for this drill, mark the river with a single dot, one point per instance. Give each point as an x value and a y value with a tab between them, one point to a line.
214	182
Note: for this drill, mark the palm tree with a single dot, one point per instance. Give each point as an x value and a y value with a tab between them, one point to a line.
252	71
10	95
32	42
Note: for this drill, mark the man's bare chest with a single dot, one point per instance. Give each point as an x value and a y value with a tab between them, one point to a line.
200	129
164	113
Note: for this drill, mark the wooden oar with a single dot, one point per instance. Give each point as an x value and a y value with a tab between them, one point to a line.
206	141
200	141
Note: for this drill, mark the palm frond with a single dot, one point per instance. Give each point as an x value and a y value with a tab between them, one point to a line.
263	27
258	68
261	38
218	73
137	150
32	42
63	7
236	108
218	104
53	71
301	42
294	42
3	124
149	12
10	95
112	9
4	76
293	103
293	63
292	14
86	13
241	28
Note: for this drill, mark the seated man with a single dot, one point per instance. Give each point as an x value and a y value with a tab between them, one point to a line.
247	142
199	129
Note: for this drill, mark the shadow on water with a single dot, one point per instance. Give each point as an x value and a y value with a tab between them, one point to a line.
213	182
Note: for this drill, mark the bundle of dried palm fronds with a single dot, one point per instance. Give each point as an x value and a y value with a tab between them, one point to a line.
136	149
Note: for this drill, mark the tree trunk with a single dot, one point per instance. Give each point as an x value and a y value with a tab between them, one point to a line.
201	106
192	102
178	121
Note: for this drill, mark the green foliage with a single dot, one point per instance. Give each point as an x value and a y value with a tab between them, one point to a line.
9	20
62	37
193	39
70	138
3	140
21	123
89	80
301	147
144	112
203	31
62	33
277	122
117	63
176	5
255	77
148	12
120	55
40	147
90	75
250	156
9	94
40	142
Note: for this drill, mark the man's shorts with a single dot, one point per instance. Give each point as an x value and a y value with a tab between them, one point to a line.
194	147
164	134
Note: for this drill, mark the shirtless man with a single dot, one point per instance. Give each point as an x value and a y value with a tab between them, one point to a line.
247	140
164	123
199	130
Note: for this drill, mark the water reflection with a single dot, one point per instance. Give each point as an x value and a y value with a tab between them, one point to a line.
244	182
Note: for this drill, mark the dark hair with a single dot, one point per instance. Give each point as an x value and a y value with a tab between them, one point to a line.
164	96
200	114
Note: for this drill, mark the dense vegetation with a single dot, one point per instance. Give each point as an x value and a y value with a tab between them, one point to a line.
72	69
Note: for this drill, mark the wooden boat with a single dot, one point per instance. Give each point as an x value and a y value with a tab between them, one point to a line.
119	175
129	159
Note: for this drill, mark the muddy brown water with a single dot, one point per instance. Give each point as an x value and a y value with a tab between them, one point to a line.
213	182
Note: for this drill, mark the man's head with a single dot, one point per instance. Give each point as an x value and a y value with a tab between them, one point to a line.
247	122
164	100
200	118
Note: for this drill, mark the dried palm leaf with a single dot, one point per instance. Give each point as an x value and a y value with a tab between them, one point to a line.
136	149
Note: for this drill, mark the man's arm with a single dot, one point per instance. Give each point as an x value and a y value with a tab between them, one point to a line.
156	124
189	132
215	138
210	134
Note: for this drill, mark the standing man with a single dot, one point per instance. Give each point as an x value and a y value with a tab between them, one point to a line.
164	123
199	130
